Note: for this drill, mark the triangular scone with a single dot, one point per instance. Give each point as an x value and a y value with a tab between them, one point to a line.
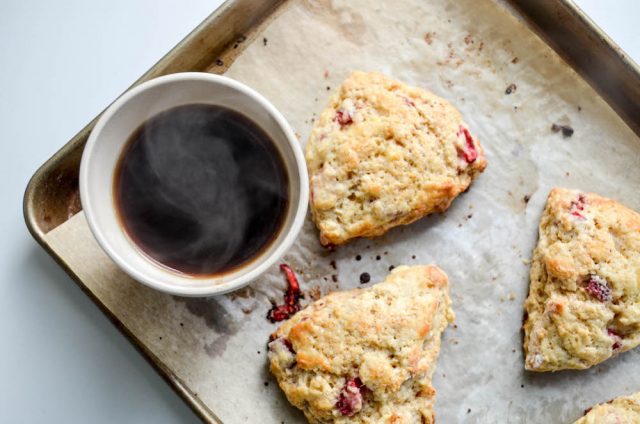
622	410
384	154
366	355
584	299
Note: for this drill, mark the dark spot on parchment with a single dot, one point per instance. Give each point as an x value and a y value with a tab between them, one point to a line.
567	131
264	41
511	88
217	318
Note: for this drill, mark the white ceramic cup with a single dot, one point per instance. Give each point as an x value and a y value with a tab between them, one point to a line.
110	136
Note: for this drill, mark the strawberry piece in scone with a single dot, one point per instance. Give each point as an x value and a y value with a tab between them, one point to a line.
366	355
384	154
584	299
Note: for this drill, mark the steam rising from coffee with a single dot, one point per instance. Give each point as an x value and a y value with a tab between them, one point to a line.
201	189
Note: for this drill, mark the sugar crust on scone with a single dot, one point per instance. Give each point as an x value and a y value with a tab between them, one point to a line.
384	154
366	355
584	299
621	410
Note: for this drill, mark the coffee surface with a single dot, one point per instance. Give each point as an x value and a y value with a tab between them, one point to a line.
201	189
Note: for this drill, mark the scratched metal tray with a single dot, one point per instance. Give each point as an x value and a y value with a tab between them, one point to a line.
51	197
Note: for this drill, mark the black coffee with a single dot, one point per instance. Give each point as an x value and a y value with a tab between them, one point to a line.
201	189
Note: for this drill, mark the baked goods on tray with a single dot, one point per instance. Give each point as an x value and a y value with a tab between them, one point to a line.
584	299
384	154
621	410
366	355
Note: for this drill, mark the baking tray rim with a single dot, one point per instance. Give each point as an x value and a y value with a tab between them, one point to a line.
190	398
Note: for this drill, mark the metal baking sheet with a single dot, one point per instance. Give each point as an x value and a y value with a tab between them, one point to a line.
212	350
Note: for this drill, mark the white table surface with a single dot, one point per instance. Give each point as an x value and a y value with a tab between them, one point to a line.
61	62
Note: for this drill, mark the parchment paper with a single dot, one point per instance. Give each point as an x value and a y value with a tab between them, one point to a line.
467	51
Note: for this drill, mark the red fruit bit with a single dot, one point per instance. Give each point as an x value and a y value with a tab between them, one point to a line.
350	399
468	152
577	206
276	346
343	118
291	298
288	344
617	340
598	287
284	341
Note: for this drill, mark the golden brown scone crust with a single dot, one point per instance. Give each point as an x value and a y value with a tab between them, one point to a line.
384	154
622	410
366	355
584	299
